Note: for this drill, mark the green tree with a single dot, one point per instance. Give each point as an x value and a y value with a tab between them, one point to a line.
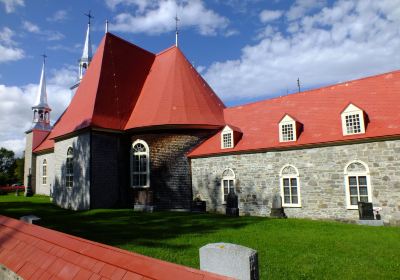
19	169
7	166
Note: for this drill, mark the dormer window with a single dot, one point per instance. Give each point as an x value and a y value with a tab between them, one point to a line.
288	129
353	121
227	138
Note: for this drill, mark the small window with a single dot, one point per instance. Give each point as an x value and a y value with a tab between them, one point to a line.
227	138
227	183
353	120
287	129
140	167
44	172
357	183
290	186
69	169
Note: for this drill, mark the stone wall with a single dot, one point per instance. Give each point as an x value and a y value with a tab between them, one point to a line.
77	197
41	188
110	170
170	179
7	274
321	176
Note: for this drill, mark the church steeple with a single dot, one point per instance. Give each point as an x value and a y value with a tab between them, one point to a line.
86	58
41	110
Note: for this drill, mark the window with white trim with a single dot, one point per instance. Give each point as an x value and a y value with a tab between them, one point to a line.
227	183
44	172
227	138
357	183
140	165
290	186
352	120
69	168
287	129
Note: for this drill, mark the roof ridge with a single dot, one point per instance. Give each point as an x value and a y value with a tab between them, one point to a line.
127	42
167	50
312	90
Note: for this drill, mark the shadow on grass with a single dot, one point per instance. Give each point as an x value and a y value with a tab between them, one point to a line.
123	227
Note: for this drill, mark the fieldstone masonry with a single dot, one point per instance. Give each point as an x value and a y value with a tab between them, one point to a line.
321	179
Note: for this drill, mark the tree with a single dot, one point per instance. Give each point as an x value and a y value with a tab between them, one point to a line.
7	166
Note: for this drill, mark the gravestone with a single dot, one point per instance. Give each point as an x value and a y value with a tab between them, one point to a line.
365	211
277	209
230	260
28	189
232	204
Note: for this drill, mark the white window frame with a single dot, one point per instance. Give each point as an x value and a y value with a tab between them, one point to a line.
287	120
348	174
69	176
290	176
44	172
227	178
229	132
351	110
147	154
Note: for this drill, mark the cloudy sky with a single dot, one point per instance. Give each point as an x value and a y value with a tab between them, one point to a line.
247	50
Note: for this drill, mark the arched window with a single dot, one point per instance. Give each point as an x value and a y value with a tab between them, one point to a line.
140	165
358	184
44	172
69	168
228	183
290	186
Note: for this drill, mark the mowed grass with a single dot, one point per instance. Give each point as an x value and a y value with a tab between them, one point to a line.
288	249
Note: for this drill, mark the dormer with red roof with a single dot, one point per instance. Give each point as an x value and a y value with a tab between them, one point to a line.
289	129
353	120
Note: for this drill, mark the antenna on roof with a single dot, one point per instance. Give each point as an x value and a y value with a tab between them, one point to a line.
176	29
106	26
298	83
89	15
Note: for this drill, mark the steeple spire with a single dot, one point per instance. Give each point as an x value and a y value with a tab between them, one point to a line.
41	110
87	50
176	29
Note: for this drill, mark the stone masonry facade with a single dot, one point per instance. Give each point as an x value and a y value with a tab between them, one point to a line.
321	179
78	196
46	188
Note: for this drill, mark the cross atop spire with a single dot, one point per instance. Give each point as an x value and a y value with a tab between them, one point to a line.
176	29
89	15
44	58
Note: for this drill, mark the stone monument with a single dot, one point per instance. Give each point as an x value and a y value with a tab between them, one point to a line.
230	260
232	204
277	209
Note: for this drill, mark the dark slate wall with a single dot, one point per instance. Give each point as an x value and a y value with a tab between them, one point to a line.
110	171
170	178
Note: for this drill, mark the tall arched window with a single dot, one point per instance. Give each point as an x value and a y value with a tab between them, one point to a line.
358	184
228	183
140	165
290	186
44	172
69	168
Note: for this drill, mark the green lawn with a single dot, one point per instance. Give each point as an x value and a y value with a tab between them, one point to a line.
288	249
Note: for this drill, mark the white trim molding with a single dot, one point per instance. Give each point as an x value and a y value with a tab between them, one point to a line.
358	172
290	186
227	138
287	129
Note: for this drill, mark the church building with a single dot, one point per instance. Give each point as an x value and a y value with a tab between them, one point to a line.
146	131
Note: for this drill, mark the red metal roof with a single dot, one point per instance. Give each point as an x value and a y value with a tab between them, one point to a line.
110	88
175	94
318	111
35	252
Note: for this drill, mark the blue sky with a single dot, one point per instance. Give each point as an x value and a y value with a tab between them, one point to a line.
247	50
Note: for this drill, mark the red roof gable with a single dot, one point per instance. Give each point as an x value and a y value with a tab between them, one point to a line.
35	252
175	94
109	90
319	111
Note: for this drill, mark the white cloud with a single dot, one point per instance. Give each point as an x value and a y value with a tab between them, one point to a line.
351	39
31	27
48	35
156	17
11	5
16	102
58	16
8	49
301	7
270	15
